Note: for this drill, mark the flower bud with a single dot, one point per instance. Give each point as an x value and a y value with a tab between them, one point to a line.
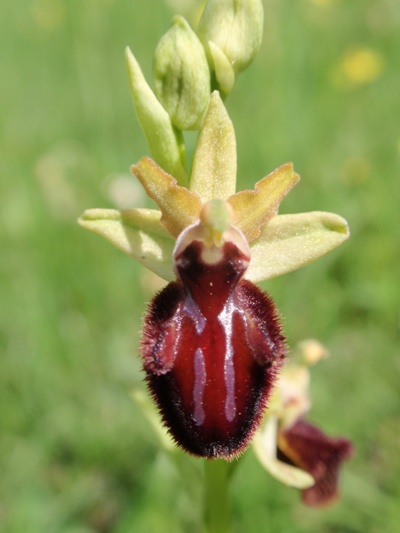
161	136
182	77
311	351
235	27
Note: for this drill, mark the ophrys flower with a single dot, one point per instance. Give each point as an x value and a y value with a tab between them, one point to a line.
212	342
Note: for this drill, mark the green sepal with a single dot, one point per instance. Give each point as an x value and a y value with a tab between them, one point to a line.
214	164
289	242
138	233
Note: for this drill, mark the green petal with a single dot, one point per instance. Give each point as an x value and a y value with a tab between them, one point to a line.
138	233
155	122
265	446
179	206
214	165
289	242
254	208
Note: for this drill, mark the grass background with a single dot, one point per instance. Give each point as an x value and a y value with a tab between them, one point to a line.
76	454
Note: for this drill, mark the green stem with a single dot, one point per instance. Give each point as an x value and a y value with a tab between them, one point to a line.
217	512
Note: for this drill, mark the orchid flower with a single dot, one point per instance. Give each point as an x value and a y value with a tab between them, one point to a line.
212	344
291	449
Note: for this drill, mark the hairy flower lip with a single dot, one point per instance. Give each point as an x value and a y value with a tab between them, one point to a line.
225	439
212	346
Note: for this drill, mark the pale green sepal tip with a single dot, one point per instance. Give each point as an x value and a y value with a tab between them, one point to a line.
289	242
224	73
138	233
265	445
182	76
214	164
155	122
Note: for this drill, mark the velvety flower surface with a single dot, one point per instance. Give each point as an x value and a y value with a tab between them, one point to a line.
212	344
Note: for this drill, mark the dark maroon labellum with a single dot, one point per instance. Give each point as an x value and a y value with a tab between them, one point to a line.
212	347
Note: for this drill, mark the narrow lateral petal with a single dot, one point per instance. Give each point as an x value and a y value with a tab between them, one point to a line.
265	448
155	122
214	164
138	233
289	242
179	207
254	208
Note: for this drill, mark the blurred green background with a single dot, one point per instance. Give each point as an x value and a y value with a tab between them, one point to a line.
76	454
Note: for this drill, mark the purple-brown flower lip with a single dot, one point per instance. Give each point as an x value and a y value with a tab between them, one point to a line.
212	347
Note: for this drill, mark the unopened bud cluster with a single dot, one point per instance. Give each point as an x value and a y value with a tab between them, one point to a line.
188	65
182	77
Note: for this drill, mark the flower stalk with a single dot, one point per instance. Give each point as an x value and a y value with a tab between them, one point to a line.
217	508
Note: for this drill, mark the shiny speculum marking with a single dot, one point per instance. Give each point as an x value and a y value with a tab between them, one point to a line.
198	388
225	318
